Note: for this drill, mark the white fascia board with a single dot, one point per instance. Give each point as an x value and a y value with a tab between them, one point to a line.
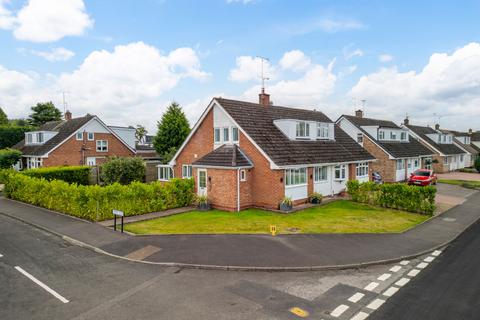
220	167
296	166
421	139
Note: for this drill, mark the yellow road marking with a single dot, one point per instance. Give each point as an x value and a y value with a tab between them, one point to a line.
299	312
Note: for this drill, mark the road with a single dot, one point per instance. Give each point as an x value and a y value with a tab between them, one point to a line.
449	290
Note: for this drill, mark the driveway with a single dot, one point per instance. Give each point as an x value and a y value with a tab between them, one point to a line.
449	196
459	176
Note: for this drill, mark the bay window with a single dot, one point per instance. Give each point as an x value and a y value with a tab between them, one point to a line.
362	169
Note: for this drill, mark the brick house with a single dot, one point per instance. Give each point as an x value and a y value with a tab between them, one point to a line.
74	141
243	154
448	156
398	154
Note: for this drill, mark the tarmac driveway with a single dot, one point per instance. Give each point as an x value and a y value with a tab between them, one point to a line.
449	196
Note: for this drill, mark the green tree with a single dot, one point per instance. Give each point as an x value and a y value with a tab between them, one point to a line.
9	157
123	170
140	133
173	129
3	118
477	163
44	112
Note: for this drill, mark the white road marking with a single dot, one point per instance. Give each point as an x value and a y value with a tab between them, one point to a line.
395	269
429	259
390	291
413	272
384	276
41	284
1	255
371	286
339	310
422	265
360	316
356	297
436	253
402	282
404	262
375	304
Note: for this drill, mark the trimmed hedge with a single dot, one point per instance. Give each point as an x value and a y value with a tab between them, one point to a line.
96	203
123	170
73	174
10	135
396	196
9	157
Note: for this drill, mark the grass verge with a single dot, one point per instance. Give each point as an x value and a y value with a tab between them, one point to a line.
462	183
336	217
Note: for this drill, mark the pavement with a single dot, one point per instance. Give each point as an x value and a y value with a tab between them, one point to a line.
457	175
256	252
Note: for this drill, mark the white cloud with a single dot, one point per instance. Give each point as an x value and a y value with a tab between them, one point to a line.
294	60
385	58
249	68
55	54
241	1
449	85
336	25
46	20
350	54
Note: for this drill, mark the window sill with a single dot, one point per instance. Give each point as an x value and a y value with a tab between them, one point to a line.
297	185
321	181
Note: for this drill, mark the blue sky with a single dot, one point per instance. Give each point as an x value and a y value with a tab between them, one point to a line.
125	60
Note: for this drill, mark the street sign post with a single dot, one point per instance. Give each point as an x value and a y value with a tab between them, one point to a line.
115	214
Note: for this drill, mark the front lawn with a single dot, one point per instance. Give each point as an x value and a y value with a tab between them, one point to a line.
462	183
336	217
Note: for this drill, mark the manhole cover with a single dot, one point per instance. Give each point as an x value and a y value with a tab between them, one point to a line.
449	219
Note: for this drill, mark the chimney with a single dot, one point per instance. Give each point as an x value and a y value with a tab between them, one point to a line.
359	113
68	115
264	98
437	127
406	121
470	131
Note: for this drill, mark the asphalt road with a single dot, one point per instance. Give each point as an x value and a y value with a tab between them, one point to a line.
449	290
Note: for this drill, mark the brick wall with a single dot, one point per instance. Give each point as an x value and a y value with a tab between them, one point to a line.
384	165
70	152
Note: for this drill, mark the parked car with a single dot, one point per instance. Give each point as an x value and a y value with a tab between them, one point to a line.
377	177
422	177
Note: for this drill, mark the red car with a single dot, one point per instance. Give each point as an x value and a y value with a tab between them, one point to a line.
422	177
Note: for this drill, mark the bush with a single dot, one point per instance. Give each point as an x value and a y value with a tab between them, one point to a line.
9	157
396	195
10	135
477	164
123	170
96	203
74	174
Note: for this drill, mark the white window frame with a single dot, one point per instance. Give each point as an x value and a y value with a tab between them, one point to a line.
302	129
79	136
416	163
40	137
88	136
103	144
462	158
217	135
393	135
361	170
226	134
187	171
243	175
360	137
445	160
341	169
296	177
320	174
381	135
402	166
29	138
237	133
403	136
323	131
165	173
428	163
34	162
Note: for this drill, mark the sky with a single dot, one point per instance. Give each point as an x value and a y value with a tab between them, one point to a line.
125	61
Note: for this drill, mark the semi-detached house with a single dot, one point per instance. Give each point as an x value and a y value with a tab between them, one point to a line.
397	152
243	154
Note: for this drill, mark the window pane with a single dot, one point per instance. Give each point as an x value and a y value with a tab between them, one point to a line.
235	134
225	134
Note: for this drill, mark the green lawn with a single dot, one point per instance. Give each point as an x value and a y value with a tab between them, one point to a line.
462	183
336	217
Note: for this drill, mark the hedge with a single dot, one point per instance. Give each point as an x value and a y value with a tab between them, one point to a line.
123	170
9	157
73	174
10	135
396	195
96	203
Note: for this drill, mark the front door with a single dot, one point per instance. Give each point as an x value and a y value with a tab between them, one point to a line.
202	182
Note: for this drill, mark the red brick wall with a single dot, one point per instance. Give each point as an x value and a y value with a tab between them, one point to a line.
384	165
70	152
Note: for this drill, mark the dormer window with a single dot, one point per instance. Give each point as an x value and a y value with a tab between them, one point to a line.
217	135
403	136
303	129
29	138
393	135
234	134
40	137
322	131
381	135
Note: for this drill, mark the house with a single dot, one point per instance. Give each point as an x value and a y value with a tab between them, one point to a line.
463	141
448	156
244	154
75	141
398	153
475	139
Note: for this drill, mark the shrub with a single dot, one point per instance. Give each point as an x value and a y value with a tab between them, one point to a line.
74	174
123	170
315	197
396	195
287	201
10	135
477	164
9	157
96	203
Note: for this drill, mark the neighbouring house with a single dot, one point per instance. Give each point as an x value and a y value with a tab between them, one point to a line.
244	154
464	142
75	141
448	156
475	139
398	154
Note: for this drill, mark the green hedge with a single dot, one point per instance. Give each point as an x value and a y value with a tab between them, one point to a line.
396	195
70	174
96	203
123	170
10	135
9	157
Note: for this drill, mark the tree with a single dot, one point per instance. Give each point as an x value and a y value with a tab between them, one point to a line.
173	129
140	133
44	112
3	118
123	170
477	163
9	157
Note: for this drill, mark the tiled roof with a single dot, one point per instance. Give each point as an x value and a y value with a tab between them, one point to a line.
257	121
475	136
396	149
64	129
442	147
474	147
225	156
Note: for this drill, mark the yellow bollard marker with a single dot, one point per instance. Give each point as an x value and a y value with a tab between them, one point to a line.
299	312
273	230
